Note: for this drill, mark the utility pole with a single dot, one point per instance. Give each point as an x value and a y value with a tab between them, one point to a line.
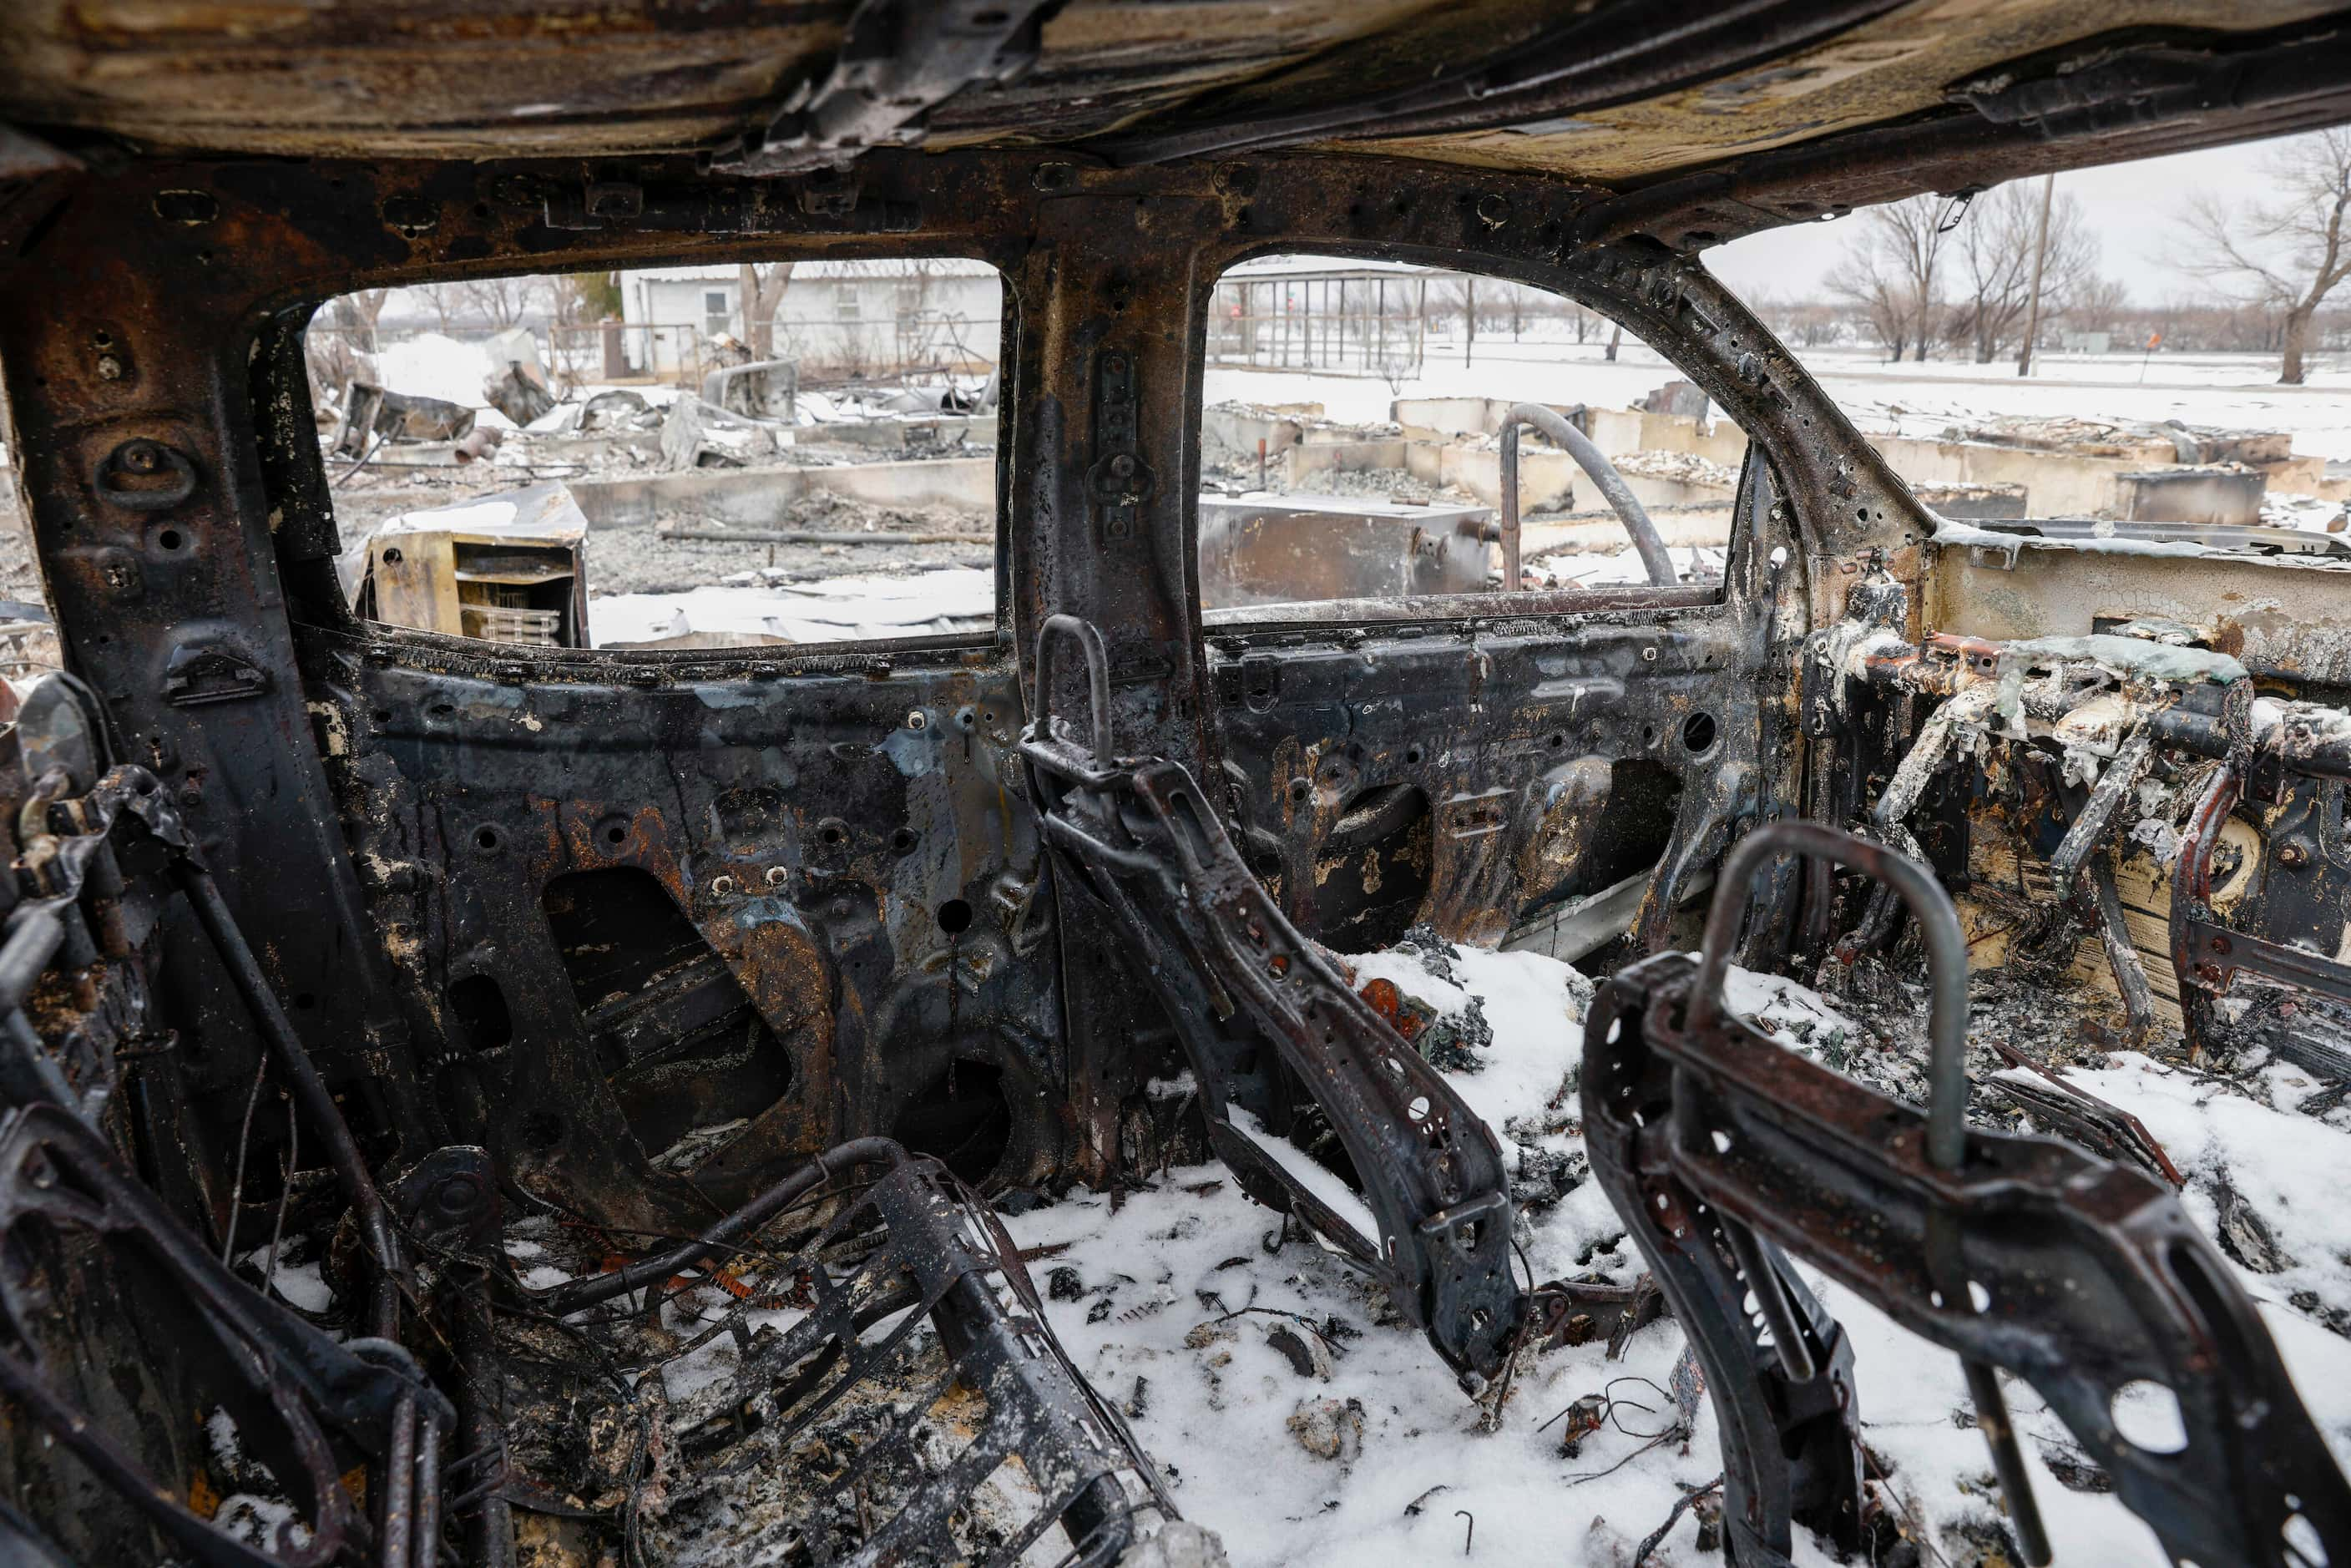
2040	259
1469	318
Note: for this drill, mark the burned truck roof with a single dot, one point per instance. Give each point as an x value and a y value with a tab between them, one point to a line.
1126	783
1727	118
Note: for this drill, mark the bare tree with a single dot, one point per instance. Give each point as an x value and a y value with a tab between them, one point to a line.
1879	296
581	298
443	299
355	315
505	300
1993	264
762	287
576	300
2097	305
2290	254
1893	271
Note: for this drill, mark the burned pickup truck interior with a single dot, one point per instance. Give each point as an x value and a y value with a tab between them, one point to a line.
474	1091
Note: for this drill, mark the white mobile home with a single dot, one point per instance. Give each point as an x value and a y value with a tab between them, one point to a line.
844	318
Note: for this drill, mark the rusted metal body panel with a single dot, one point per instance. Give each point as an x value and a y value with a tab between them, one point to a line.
1296	548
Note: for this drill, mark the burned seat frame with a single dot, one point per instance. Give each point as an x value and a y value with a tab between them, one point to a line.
2079	1275
303	1402
77	1224
1236	976
927	1251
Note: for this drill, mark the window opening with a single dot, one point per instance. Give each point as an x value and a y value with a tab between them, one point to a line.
1355	427
693	456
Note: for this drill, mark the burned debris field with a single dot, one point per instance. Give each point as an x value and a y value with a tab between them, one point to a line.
1102	783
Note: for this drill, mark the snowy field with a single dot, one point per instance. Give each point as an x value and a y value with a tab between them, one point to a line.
1181	1301
2232	390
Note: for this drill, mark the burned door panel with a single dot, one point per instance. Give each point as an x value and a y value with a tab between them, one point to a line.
1501	768
1481	767
678	935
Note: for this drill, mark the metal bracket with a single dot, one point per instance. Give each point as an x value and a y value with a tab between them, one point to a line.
1119	482
127	476
823	200
2220	953
201	673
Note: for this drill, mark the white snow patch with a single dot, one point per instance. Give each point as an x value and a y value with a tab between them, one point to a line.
480	516
1317	1181
835	610
434	366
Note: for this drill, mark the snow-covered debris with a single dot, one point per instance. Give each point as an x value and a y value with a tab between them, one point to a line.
1687	467
1692	563
839	608
1245	1363
2312	514
431	365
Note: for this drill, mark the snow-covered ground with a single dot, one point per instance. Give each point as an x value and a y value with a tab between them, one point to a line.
2231	390
1371	1455
837	609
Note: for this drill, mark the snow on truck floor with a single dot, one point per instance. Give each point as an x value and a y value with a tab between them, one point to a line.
1294	1415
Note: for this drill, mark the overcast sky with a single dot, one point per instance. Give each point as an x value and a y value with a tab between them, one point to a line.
2133	208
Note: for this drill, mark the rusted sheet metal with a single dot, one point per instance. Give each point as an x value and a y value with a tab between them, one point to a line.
1292	549
2286	618
1885	112
853	892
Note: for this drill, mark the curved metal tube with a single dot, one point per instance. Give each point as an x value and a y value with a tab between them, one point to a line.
1578	445
1946	1102
1090	643
1939	923
310	1091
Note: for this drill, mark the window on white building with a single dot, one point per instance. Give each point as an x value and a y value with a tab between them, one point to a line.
910	298
718	312
846	306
